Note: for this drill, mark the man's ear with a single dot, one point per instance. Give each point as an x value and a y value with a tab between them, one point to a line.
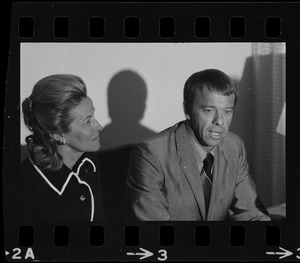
187	116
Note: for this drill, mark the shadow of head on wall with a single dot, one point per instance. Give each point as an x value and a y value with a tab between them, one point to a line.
126	98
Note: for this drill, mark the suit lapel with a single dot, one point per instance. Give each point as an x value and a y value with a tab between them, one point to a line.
189	167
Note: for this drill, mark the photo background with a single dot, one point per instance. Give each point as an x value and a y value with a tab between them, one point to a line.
137	90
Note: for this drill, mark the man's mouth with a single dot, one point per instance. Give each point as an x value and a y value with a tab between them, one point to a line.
216	134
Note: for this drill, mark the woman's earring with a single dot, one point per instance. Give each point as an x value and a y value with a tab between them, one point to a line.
62	141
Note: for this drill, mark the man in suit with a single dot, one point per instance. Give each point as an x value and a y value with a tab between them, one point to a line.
197	169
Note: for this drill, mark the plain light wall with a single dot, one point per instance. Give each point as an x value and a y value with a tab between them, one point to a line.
164	67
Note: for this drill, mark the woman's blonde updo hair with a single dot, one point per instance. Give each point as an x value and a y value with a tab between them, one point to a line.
46	112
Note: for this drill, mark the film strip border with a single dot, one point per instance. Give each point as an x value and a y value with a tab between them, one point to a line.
166	235
171	22
161	22
153	240
96	27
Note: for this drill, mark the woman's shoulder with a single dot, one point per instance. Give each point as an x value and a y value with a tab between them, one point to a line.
27	173
26	165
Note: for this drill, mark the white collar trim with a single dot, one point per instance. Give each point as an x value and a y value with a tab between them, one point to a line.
60	192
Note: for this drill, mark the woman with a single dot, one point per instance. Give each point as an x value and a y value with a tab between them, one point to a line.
60	180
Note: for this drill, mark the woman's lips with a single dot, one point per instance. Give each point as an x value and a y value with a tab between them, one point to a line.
97	138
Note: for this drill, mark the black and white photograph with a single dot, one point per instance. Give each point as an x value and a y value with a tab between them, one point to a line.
138	132
121	131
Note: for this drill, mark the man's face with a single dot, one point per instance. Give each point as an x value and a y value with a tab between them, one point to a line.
211	116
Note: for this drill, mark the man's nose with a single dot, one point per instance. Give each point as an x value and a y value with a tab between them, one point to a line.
218	118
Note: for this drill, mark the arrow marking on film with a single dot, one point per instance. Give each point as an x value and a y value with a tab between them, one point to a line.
284	254
144	254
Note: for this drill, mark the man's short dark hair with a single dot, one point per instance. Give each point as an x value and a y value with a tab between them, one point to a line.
215	81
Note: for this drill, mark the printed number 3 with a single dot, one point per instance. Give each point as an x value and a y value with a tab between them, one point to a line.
298	257
163	254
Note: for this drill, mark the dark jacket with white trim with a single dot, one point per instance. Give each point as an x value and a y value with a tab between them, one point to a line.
64	195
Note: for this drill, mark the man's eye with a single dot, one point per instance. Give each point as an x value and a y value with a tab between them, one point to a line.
208	110
228	112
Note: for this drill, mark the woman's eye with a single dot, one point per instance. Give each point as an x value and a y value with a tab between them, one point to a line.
87	121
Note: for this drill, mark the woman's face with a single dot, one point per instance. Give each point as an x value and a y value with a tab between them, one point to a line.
84	130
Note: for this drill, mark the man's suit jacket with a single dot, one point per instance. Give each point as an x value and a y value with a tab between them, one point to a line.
164	181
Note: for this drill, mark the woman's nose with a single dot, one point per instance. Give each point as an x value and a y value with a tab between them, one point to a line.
98	126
